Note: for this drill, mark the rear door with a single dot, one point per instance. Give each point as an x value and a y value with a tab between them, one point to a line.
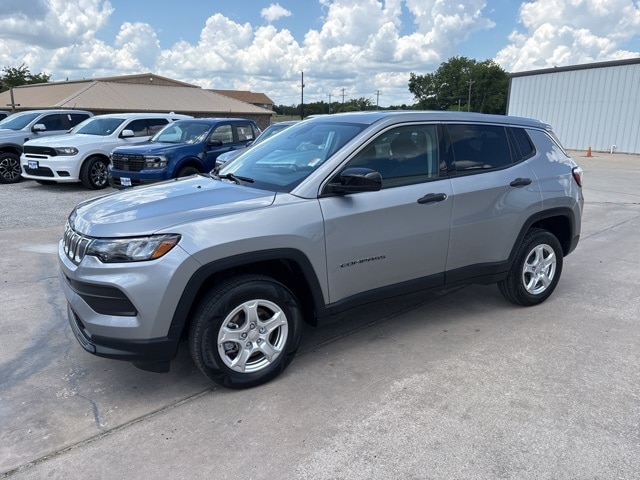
396	238
494	192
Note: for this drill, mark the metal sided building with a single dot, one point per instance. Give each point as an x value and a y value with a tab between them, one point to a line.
594	105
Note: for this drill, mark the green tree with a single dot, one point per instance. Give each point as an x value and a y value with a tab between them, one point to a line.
16	76
462	84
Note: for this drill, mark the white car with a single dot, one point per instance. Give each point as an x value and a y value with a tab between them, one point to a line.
82	155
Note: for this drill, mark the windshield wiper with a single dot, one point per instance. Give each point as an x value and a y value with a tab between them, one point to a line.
234	178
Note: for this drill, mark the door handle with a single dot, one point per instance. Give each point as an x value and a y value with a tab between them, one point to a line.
432	198
521	182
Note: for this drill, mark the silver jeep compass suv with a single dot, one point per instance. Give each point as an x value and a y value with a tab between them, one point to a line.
334	212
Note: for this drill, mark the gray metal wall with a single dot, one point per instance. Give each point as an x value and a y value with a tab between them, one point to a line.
594	106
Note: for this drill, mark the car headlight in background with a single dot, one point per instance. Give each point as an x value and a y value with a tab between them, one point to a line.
154	162
66	151
120	250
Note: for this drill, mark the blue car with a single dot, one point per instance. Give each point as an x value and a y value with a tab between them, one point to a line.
182	148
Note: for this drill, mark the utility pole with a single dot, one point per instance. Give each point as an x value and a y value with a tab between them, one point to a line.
377	98
329	104
302	97
470	82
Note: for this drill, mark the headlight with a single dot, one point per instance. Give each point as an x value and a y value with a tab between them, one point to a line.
110	250
154	161
66	151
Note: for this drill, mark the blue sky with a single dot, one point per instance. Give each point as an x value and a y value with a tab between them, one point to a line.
352	47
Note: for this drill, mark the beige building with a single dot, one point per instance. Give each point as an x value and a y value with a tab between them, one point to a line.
134	93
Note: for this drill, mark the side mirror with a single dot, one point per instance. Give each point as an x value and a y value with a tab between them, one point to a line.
126	133
214	143
39	127
359	179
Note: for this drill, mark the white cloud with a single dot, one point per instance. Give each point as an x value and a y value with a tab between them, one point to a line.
567	32
360	47
274	12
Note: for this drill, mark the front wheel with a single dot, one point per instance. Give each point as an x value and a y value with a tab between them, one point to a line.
94	174
245	331
187	171
535	271
10	168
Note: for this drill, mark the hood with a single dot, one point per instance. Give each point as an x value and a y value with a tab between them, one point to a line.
11	134
161	206
68	140
153	148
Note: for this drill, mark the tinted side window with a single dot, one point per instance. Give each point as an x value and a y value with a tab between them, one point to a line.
523	145
479	147
245	133
154	125
53	122
223	134
146	126
402	156
76	118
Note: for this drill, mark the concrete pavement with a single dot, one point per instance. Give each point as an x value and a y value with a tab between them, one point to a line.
460	385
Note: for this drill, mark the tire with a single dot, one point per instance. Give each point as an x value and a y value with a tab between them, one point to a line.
94	174
535	271
188	170
10	169
245	331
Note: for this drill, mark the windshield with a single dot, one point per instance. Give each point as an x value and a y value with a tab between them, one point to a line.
18	121
270	131
284	161
182	131
98	126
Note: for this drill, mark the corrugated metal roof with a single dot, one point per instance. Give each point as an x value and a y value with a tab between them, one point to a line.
246	96
118	96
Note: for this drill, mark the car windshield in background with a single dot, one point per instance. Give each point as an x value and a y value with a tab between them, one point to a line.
182	132
17	121
98	126
288	158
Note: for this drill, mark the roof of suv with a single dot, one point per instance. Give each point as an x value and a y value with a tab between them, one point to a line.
374	116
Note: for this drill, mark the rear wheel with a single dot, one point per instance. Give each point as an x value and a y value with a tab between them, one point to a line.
245	331
10	168
94	173
536	270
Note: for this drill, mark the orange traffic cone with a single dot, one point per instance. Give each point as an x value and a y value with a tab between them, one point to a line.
589	152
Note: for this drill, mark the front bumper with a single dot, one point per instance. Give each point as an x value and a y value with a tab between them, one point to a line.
125	311
63	169
152	354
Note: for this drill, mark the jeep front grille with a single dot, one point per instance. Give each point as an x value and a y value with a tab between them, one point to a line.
75	245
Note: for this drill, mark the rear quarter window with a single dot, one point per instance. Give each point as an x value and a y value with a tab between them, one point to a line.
523	145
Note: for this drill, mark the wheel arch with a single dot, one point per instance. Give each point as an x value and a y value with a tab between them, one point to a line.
558	221
187	162
92	155
11	148
288	266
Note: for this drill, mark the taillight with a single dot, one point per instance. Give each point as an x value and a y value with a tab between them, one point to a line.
577	175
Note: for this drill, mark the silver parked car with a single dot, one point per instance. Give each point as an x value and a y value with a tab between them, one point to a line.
332	213
268	132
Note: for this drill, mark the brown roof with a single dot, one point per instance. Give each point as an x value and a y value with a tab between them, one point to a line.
140	93
246	96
